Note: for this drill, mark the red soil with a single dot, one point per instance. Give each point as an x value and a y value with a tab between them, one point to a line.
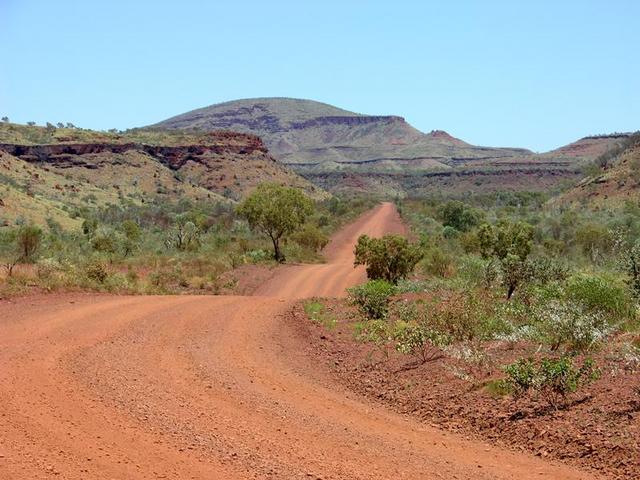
182	387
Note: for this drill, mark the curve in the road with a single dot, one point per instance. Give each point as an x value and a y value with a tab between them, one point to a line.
200	387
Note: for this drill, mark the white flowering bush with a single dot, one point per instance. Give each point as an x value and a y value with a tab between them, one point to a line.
567	325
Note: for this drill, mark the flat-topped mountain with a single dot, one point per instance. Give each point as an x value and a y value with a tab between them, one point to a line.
307	133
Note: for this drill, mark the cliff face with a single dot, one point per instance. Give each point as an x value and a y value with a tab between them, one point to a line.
174	157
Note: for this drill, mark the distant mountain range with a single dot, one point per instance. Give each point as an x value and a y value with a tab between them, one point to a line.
346	151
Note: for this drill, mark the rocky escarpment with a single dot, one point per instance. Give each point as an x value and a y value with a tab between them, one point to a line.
174	157
224	163
350	121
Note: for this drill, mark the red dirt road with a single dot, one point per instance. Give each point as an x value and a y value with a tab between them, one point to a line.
102	387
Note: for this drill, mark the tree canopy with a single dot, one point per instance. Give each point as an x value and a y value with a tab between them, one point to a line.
276	211
390	258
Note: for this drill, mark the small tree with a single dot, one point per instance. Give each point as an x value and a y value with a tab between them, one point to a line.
390	258
21	245
132	235
184	235
5	119
511	244
459	216
276	211
29	240
31	124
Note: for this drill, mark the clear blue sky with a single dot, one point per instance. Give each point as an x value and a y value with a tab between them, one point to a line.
535	74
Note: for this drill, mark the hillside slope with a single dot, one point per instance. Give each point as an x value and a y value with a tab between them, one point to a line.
616	181
50	173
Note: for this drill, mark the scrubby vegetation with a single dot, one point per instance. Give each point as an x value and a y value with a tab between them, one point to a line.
519	316
162	246
505	270
389	258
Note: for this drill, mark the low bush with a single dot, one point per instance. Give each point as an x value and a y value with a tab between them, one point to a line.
96	271
47	268
389	258
599	294
372	298
420	340
552	379
437	262
568	326
470	316
311	237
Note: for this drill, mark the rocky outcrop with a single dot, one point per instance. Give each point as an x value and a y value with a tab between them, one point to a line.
174	157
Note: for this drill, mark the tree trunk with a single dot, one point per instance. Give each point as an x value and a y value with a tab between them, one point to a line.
276	249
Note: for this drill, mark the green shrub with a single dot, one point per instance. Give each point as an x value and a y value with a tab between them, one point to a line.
600	294
449	232
372	298
472	316
257	256
389	258
630	260
594	239
544	270
437	262
458	216
553	379
420	339
311	237
376	332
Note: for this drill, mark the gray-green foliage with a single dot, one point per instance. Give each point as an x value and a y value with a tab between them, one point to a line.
183	235
419	333
569	326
